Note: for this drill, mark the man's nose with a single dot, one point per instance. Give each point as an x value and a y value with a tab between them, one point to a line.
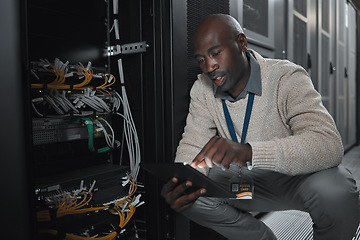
211	65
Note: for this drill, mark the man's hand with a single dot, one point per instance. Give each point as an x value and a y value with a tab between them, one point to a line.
221	152
176	196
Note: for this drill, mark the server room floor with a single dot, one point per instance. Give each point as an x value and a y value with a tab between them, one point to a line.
298	225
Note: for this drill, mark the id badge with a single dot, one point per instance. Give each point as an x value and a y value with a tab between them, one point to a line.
242	187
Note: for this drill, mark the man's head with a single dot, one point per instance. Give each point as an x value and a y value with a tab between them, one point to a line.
220	45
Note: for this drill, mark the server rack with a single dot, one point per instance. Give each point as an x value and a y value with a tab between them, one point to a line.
157	84
52	155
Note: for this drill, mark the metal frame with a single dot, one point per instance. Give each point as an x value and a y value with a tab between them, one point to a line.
255	38
16	182
290	35
327	97
273	46
352	80
341	81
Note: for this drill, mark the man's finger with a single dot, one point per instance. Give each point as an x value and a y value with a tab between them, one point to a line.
169	186
186	201
178	192
201	164
203	153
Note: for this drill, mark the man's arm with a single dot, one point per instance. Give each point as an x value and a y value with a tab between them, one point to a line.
315	143
200	126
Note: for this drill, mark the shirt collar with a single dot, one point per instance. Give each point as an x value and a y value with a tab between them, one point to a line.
253	85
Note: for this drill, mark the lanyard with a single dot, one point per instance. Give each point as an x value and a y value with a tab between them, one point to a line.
246	120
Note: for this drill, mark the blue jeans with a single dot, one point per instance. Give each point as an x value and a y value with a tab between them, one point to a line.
329	196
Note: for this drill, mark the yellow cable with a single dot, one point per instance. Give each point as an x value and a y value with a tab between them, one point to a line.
71	207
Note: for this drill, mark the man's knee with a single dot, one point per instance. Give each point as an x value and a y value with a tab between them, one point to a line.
332	199
204	209
334	186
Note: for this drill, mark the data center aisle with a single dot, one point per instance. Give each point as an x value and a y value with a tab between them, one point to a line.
297	225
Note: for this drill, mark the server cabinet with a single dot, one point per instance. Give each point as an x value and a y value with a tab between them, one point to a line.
64	154
345	75
16	188
175	69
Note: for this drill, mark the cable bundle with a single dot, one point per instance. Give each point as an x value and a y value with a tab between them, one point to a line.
63	71
129	126
75	202
129	129
77	104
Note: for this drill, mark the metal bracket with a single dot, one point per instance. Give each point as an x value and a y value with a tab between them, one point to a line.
129	48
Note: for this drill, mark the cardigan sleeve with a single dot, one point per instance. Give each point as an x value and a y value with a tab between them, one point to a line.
314	144
199	127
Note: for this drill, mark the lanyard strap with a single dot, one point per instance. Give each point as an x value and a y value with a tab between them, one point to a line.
246	119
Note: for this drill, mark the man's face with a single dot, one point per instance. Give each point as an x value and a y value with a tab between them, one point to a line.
220	56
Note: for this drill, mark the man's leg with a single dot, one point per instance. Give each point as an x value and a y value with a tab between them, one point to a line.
224	217
322	194
229	221
331	198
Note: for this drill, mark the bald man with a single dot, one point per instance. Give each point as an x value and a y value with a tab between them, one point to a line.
259	123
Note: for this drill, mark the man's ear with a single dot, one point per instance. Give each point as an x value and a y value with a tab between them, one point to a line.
242	41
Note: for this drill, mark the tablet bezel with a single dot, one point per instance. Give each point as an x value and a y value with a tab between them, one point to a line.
165	171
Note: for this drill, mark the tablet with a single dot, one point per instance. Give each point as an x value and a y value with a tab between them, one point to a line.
165	171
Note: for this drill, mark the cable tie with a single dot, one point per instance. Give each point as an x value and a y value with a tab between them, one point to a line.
115	6
111	78
70	74
125	182
92	186
141	203
136	200
99	75
117	33
56	62
81	185
88	66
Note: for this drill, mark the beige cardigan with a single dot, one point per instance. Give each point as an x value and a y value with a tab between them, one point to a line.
290	130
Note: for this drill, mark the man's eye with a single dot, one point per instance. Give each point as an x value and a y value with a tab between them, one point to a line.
201	60
214	54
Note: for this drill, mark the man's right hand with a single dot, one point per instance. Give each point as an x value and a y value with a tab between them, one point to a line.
175	194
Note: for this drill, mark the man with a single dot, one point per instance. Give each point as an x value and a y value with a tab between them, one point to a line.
287	146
